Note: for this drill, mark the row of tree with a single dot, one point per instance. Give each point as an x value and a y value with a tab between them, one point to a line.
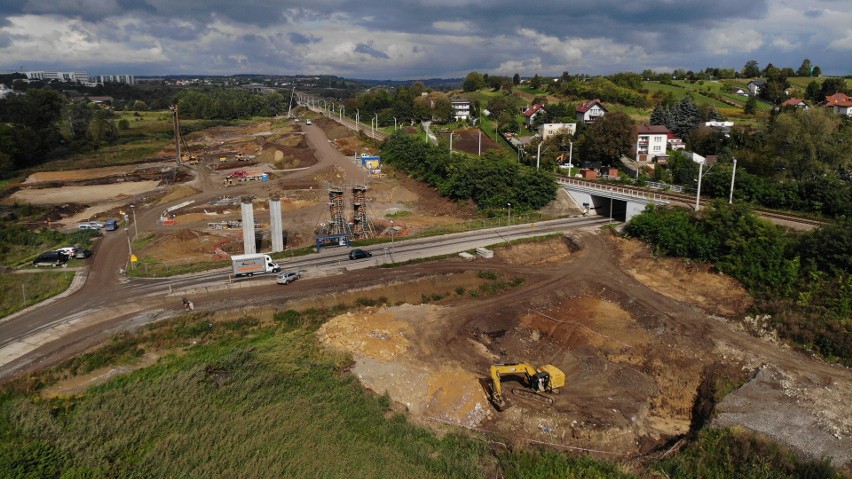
491	182
43	123
802	279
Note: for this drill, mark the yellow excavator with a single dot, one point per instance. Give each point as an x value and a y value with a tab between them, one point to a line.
548	378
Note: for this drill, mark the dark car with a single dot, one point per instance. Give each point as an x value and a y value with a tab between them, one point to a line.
359	254
111	225
51	258
82	254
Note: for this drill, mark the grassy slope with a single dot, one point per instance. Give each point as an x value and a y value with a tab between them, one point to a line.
257	401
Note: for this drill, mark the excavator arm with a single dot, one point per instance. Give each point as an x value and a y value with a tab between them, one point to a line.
499	370
547	378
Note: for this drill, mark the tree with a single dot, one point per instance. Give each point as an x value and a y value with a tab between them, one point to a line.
516	80
473	81
817	71
442	112
805	69
808	143
608	139
830	86
750	107
812	92
750	69
535	82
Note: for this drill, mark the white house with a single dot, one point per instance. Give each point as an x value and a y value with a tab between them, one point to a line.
590	110
651	142
754	86
839	103
531	113
796	102
547	130
461	108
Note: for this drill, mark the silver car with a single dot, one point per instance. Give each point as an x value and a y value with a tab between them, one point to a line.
285	277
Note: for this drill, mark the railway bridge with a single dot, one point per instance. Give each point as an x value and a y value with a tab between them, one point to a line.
615	202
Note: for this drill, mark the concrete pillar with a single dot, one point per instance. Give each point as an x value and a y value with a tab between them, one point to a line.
248	225
276	224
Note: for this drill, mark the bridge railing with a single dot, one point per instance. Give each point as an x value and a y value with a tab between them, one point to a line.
619	190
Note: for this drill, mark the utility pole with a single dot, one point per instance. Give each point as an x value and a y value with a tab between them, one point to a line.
733	175
480	140
451	142
176	120
538	156
290	105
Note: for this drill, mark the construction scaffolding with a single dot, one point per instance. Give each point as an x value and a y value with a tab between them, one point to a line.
336	232
362	227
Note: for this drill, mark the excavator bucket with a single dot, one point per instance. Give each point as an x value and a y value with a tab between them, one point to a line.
501	404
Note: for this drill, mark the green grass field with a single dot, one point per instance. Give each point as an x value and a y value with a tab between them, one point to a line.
17	291
248	400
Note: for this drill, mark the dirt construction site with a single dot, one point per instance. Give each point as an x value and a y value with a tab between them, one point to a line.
645	343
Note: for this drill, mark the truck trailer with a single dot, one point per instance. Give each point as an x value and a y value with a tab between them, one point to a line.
252	264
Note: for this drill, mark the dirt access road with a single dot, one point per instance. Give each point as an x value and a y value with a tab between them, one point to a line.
640	339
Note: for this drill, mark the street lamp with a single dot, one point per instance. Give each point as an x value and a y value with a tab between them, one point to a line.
136	225
451	142
394	123
129	246
733	175
700	160
509	217
538	155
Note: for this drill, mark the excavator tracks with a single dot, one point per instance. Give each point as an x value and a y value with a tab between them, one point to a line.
527	393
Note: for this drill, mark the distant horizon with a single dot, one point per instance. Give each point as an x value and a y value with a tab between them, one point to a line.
419	39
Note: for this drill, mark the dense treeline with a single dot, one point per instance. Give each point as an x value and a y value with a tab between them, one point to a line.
229	104
491	181
802	280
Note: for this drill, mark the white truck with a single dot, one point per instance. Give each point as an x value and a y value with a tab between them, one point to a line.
252	264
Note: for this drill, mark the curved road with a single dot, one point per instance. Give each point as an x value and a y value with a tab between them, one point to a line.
107	302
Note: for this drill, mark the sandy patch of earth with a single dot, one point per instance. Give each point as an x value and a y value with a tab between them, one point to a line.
76	175
82	194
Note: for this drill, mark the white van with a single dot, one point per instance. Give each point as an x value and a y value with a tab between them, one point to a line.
90	225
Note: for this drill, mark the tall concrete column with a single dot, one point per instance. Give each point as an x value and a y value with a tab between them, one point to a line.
276	224
248	225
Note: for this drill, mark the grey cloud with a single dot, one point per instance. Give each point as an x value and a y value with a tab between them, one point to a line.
369	50
814	13
300	39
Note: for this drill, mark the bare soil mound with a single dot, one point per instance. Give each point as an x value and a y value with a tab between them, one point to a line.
628	389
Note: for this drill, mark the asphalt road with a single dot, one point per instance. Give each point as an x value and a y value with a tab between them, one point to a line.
106	301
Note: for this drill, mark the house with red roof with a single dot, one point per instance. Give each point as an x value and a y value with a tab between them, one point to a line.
531	112
795	102
590	110
840	103
652	142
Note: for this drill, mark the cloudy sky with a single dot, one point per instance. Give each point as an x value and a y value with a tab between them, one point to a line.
411	39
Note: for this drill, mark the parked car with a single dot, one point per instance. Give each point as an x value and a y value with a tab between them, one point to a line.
90	225
359	254
307	122
51	258
69	251
82	254
111	225
285	277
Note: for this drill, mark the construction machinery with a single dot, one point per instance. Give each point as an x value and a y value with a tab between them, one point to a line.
547	379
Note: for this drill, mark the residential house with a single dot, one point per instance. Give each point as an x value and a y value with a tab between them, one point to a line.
547	130
652	142
840	103
590	110
461	108
739	91
4	92
754	86
531	112
674	143
795	102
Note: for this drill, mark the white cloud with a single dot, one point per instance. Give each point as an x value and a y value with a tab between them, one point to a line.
452	26
68	41
844	43
732	39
